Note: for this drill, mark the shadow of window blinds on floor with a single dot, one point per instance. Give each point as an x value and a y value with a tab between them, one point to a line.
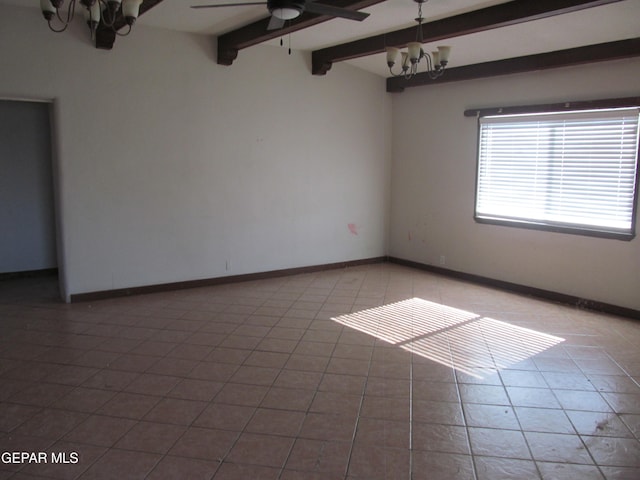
468	342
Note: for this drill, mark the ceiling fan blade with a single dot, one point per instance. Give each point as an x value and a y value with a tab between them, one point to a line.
275	23
320	9
228	5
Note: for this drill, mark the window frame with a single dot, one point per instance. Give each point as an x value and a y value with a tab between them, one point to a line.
576	229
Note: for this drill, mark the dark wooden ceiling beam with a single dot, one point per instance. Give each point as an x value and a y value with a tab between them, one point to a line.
506	14
232	42
106	37
542	61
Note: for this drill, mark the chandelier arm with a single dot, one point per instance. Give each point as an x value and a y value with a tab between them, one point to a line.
438	70
411	72
400	74
59	17
71	8
64	27
109	16
123	34
435	73
65	23
428	60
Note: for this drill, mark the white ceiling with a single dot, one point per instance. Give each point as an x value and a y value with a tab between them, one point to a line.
606	23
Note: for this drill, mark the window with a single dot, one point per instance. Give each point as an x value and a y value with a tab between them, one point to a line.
574	172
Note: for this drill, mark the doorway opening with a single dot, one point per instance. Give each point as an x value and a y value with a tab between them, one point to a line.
28	244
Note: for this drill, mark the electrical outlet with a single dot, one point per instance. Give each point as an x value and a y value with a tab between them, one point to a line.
443	260
227	265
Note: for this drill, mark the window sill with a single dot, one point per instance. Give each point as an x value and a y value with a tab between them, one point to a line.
548	227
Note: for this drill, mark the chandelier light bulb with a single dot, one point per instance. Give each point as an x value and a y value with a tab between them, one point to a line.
131	10
444	54
48	10
392	54
435	57
415	51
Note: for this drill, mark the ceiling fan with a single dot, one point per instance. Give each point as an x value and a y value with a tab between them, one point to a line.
283	10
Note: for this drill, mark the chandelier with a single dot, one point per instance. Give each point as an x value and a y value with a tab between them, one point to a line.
409	60
97	13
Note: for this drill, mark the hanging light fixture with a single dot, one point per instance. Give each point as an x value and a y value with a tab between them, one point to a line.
96	13
409	60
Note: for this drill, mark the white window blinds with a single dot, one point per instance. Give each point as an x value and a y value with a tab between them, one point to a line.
570	169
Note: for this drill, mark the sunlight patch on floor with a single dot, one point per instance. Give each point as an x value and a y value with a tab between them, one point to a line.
466	341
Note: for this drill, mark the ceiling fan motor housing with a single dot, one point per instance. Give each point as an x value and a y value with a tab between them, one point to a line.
286	9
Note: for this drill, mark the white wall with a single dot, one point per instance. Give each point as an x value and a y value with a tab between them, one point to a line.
173	168
433	185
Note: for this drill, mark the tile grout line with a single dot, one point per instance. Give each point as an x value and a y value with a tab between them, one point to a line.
521	430
474	469
411	407
464	419
364	389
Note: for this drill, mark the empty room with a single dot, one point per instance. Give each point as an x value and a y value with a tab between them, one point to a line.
319	240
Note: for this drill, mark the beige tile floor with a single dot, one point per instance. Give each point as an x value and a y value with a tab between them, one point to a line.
374	372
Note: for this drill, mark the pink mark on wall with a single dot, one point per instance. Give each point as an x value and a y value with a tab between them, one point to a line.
353	228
